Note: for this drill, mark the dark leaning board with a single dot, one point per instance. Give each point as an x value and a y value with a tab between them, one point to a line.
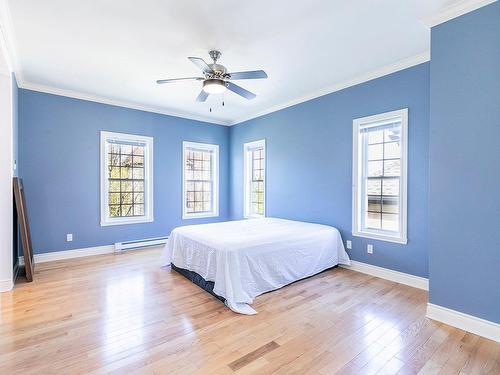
22	218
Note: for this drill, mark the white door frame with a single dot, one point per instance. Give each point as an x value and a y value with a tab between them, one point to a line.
6	170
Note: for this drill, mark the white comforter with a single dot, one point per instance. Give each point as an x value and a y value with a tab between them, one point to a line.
249	257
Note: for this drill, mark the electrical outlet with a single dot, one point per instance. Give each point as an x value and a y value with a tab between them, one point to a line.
69	237
349	244
369	249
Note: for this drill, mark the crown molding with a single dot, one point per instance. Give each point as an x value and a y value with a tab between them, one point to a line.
8	40
8	46
455	10
4	50
118	103
7	31
388	69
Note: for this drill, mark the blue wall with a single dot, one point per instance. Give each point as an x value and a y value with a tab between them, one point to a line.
59	163
309	162
464	220
453	204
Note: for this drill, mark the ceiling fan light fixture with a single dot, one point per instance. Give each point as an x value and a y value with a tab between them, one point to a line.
214	86
216	79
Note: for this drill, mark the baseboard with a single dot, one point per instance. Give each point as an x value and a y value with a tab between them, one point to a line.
385	273
68	254
6	285
463	321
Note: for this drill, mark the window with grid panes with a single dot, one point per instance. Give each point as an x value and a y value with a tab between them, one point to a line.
255	175
126	191
379	204
200	193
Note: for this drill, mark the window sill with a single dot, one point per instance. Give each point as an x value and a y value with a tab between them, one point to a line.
123	221
199	216
381	237
254	216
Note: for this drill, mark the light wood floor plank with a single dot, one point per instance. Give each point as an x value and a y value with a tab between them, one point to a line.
124	314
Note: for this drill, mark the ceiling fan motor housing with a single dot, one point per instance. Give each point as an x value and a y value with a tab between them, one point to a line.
218	69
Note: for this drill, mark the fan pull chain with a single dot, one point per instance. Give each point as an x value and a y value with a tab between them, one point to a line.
223	104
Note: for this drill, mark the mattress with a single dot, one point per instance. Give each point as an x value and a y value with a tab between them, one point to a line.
247	258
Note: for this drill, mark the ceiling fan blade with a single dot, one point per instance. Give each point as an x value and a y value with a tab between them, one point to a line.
202	96
200	63
253	74
240	91
160	81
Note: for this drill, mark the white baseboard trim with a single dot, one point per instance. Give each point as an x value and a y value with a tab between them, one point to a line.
385	273
468	323
68	254
6	285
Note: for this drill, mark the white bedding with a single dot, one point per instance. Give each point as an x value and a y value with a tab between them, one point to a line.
249	257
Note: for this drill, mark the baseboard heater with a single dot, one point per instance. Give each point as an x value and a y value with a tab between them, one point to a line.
137	244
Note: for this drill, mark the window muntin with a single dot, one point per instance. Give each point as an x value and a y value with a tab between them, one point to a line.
257	182
381	177
200	169
255	175
379	174
126	178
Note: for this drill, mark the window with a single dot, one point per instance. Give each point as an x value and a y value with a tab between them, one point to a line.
126	179
379	176
201	180
255	179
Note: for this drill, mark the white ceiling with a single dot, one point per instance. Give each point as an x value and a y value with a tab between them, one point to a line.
116	49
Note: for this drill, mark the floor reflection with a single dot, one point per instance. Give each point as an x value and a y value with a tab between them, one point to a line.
124	314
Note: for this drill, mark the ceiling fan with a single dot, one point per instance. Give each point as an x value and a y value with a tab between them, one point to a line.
216	79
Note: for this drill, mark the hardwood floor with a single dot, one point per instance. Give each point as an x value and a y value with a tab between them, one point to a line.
123	314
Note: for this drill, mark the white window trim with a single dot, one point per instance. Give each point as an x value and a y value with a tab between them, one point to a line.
209	147
356	176
246	180
148	179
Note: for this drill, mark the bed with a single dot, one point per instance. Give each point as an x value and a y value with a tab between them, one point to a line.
237	261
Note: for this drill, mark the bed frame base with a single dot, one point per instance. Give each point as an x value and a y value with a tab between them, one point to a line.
197	279
208	286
